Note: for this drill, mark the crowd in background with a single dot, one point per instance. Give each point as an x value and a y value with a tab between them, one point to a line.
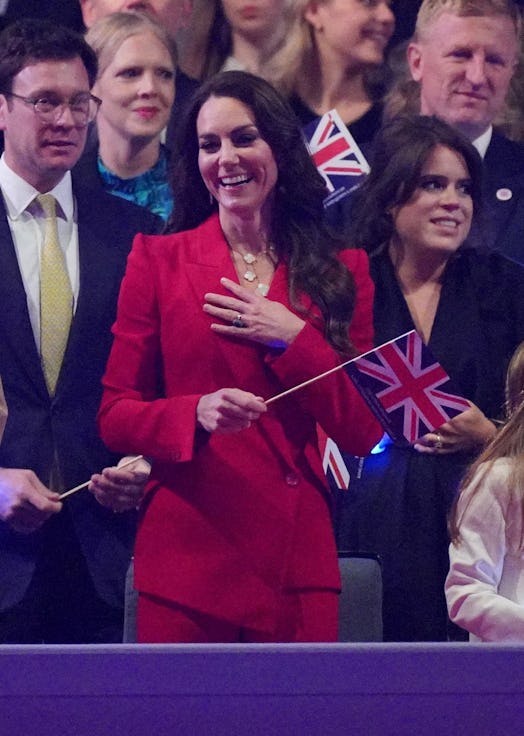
123	120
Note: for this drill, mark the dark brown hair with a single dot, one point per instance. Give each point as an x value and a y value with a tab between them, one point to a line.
298	229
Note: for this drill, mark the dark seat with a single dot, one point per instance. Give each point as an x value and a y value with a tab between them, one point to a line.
360	614
360	611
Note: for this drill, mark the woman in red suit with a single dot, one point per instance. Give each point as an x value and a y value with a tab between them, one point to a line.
246	299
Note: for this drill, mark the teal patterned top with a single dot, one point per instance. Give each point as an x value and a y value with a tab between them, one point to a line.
150	189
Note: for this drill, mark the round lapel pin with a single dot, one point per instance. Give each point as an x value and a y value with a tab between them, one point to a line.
504	194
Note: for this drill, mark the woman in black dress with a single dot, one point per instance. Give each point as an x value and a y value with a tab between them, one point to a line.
413	216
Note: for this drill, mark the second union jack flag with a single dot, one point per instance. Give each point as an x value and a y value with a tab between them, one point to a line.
336	155
406	387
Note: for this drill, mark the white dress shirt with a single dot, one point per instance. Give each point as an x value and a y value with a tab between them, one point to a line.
485	584
27	223
482	142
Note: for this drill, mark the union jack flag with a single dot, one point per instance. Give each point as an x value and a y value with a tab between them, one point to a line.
333	463
336	155
407	388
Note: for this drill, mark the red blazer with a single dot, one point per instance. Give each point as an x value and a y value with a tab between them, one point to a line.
229	520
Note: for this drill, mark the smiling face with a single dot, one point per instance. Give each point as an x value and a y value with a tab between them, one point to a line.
137	88
39	152
464	66
354	31
235	162
436	219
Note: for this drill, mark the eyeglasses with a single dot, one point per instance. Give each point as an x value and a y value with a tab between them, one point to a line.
83	107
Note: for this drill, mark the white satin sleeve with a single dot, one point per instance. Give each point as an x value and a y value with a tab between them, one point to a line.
485	585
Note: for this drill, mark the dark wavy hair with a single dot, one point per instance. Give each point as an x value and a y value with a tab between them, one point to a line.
29	41
399	153
298	230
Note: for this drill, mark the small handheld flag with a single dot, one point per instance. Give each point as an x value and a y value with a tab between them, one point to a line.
336	155
406	387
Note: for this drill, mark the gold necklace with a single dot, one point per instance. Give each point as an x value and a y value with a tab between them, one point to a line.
250	259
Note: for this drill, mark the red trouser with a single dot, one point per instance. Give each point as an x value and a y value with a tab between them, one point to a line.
303	616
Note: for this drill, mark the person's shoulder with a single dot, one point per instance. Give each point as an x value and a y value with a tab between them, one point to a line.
354	257
185	85
356	260
505	154
185	244
491	480
490	265
104	210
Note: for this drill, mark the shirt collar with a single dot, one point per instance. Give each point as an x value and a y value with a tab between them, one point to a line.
19	194
482	142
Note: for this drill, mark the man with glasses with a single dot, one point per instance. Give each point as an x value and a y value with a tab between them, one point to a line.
62	255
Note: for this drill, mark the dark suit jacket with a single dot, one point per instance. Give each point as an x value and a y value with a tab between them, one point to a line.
501	225
65	12
38	425
185	86
231	519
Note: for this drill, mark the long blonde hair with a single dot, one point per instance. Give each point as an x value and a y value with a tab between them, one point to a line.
508	442
295	67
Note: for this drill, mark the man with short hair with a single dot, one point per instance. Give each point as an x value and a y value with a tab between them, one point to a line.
463	55
173	15
63	250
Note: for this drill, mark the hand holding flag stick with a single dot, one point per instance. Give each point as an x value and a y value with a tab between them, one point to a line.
84	485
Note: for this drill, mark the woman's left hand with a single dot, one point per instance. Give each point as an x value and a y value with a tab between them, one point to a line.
468	431
252	316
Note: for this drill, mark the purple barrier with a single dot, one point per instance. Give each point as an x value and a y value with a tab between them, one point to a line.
222	690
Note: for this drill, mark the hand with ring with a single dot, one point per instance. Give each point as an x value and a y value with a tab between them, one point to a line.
431	443
468	431
239	322
246	314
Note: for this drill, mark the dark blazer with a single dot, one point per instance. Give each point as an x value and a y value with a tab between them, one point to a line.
230	519
502	218
38	425
65	12
185	87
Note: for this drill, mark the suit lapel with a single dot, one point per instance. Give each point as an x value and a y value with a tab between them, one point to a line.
502	185
101	269
15	324
209	262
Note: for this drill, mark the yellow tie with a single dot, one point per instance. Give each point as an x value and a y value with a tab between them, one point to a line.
56	298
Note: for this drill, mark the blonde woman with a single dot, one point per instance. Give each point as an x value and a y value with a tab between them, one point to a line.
136	83
331	58
485	584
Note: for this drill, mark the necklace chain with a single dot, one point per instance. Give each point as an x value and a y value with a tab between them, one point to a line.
250	259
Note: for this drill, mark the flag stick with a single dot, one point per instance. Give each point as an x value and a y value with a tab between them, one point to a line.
332	370
84	485
310	380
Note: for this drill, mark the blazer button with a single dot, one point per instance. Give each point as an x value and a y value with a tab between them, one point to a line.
292	479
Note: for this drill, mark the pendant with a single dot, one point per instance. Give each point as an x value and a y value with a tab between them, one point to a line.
249	258
250	276
263	289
